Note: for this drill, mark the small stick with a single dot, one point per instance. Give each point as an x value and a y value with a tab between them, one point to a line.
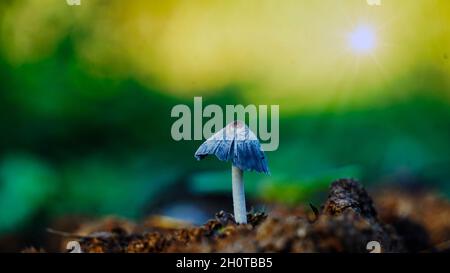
100	234
65	234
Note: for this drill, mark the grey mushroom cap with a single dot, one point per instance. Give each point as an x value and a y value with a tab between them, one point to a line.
238	144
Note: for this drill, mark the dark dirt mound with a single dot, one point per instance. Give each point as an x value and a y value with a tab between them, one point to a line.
346	222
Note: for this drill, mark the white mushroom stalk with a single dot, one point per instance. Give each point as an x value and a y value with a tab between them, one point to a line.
240	209
236	143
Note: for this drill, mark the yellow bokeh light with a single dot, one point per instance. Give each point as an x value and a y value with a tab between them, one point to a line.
277	51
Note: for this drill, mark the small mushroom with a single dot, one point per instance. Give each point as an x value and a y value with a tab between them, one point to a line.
238	144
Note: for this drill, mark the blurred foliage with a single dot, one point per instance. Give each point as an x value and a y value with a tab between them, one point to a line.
27	185
86	94
280	187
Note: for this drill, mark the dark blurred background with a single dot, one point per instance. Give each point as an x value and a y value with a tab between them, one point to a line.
86	93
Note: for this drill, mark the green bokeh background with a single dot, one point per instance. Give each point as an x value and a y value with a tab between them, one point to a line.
93	137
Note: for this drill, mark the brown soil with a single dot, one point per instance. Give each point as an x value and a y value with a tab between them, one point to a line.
346	222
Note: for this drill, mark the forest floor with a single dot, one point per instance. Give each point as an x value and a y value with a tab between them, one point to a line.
348	221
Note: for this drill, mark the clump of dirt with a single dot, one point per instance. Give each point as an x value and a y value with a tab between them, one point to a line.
346	222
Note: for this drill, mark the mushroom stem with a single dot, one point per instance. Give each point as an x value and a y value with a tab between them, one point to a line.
240	211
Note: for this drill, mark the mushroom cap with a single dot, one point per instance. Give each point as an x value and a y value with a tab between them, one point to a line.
235	142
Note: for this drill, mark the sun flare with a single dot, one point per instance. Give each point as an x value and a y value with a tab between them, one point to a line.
362	39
